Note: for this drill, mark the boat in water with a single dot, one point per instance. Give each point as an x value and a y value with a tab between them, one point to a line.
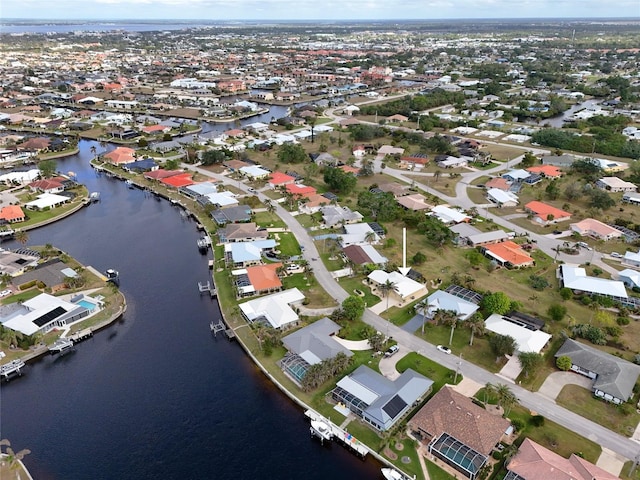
112	276
321	430
393	474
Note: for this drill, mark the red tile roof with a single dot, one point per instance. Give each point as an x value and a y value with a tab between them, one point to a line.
546	170
542	210
300	190
264	277
121	155
12	213
510	252
162	173
180	180
279	178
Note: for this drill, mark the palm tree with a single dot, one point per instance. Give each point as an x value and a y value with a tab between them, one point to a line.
489	389
506	398
386	288
370	237
12	458
422	308
93	151
476	325
448	318
21	236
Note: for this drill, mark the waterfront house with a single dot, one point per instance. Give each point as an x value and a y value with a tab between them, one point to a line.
381	402
120	156
46	201
613	378
458	432
12	214
232	214
241	232
15	264
245	254
257	280
309	346
273	310
535	462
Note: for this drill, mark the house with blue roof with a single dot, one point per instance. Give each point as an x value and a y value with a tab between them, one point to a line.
245	254
144	165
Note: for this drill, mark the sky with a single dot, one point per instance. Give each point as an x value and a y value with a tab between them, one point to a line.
316	9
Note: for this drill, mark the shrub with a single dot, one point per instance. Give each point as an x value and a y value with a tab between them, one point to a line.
537	282
557	311
518	424
595	335
585	299
566	293
623	321
564	363
537	420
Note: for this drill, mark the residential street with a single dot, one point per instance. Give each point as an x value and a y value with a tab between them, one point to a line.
531	400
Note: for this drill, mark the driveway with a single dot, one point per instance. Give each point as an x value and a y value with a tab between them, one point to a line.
554	383
388	364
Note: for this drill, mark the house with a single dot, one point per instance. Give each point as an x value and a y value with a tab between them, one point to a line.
546	214
381	402
441	300
453	162
241	232
254	172
390	150
516	175
52	274
279	179
257	279
46	201
547	171
487	238
324	159
120	155
47	185
144	165
613	377
615	184
41	314
448	215
313	204
498	183
410	161
12	214
244	254
181	179
273	310
562	161
309	346
457	431
632	198
232	214
631	278
300	191
364	254
333	215
358	234
535	462
502	198
631	258
576	279
527	339
394	188
508	254
397	118
595	229
404	288
415	202
15	264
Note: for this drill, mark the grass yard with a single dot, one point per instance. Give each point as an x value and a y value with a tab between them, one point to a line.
352	283
268	220
436	473
288	245
620	419
627	474
314	293
430	369
478	195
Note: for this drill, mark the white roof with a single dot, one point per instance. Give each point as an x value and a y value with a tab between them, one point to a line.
632	256
222	198
526	340
519	174
501	196
22	177
254	171
355	234
324	128
404	286
373	254
615	182
448	215
275	308
632	275
47	200
576	278
23	320
441	300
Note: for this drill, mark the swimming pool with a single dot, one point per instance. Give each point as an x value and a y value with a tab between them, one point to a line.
86	304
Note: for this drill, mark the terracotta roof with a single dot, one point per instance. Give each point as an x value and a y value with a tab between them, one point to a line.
451	412
510	252
316	200
162	173
546	170
121	155
542	209
264	277
535	462
499	183
11	213
46	184
349	169
301	190
279	178
180	180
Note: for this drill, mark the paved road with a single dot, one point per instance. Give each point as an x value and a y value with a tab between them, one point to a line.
531	400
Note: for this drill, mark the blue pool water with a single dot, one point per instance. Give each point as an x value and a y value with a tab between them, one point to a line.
86	304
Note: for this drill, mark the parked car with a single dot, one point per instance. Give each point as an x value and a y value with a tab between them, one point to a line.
4	293
616	255
392	350
584	245
444	349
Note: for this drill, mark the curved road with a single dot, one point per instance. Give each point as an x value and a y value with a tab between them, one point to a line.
531	400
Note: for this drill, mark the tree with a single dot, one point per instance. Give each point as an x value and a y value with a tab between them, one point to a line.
506	398
600	199
496	302
528	160
386	288
502	345
216	157
419	258
529	361
564	363
13	458
21	236
376	340
353	307
476	325
557	311
94	151
339	180
474	257
489	390
552	191
292	153
172	164
448	318
47	168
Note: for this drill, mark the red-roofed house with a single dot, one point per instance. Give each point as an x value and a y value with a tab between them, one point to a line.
535	462
262	279
279	179
546	214
161	173
12	214
181	180
300	190
235	133
314	203
499	183
121	155
508	254
47	185
349	169
596	229
151	129
549	171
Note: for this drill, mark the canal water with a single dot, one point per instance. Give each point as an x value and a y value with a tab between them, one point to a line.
155	396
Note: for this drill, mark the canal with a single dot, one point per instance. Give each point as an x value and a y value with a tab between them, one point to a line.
155	395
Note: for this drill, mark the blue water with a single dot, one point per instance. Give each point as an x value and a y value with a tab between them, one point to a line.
155	396
86	304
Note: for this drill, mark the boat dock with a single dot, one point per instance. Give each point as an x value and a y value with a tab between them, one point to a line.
81	335
206	287
340	435
221	327
11	369
61	346
204	243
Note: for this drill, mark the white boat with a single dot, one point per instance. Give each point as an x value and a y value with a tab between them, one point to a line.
393	474
321	430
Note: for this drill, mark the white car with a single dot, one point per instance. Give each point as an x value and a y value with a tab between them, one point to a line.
393	349
444	349
616	255
4	293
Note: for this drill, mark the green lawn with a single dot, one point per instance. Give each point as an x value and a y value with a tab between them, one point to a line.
355	283
288	245
620	419
427	367
268	220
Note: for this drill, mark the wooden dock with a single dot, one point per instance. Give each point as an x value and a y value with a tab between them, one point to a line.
340	435
81	335
61	346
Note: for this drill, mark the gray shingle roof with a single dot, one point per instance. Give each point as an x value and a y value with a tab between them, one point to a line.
315	341
615	375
